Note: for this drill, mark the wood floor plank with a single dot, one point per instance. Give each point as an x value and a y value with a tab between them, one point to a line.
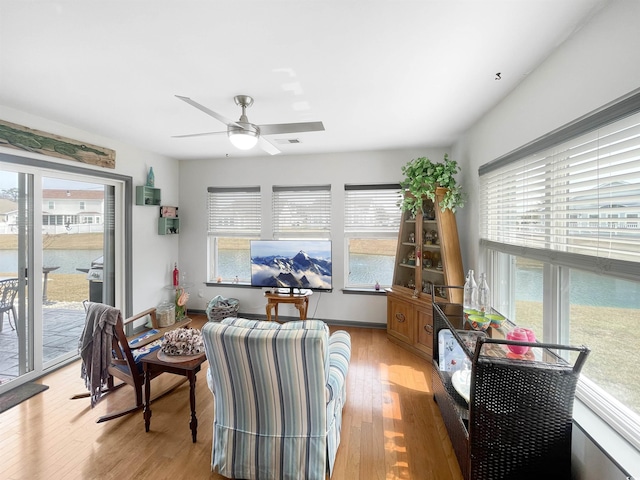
391	428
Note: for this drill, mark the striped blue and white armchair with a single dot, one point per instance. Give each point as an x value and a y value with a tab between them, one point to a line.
278	397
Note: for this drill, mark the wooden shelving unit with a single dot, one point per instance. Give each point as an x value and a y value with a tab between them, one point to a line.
168	223
428	255
149	196
168	226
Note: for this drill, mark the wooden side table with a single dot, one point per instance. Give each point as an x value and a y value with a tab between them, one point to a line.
300	300
187	368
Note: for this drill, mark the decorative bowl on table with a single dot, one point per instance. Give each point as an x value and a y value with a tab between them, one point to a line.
478	322
519	335
495	319
471	311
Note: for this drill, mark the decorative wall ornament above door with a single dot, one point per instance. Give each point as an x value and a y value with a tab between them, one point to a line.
23	138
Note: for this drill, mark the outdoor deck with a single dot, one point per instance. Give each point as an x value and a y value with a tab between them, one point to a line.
62	329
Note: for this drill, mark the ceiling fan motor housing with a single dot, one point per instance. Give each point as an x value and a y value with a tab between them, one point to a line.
245	101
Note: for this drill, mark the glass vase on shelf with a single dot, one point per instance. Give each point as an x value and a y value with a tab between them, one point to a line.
181	303
470	299
484	295
151	178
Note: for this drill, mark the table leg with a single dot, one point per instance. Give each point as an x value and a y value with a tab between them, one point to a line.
303	308
192	399
147	397
269	305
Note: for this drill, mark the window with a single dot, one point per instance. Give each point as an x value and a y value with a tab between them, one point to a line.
302	211
559	226
234	218
371	224
82	204
52	205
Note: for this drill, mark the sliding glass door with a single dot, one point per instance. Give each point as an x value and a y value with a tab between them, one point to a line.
58	248
77	259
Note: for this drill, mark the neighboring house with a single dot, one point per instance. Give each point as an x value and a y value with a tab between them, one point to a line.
8	210
72	207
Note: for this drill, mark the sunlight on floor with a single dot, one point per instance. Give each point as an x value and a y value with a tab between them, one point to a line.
405	376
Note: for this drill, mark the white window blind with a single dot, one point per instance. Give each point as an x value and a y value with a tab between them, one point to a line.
575	200
372	209
234	212
302	211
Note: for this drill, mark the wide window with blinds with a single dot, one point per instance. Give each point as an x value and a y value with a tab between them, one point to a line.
302	211
559	225
371	224
234	218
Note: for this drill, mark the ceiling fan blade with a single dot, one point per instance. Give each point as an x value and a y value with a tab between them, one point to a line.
267	146
197	134
276	128
206	110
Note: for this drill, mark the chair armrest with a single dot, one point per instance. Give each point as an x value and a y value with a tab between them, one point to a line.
150	311
339	358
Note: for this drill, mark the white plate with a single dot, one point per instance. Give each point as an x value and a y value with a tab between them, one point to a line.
462	387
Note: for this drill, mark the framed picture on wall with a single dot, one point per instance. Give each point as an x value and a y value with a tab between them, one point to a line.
168	212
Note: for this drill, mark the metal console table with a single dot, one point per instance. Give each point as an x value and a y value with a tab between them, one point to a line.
517	421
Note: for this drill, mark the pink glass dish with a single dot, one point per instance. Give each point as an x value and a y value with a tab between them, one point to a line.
519	335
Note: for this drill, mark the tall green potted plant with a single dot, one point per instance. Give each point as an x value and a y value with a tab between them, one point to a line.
421	179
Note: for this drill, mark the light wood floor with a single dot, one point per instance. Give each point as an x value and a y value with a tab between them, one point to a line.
391	429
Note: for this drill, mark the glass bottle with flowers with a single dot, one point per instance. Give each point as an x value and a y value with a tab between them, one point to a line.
181	303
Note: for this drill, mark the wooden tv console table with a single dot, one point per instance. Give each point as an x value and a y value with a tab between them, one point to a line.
300	300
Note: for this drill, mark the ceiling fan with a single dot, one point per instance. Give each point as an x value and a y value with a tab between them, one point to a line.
245	135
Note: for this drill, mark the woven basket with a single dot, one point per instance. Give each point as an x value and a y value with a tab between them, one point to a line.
220	308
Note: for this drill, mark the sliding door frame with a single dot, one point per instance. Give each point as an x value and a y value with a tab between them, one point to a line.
127	182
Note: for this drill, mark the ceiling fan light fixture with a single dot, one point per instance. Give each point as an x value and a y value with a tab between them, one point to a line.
241	138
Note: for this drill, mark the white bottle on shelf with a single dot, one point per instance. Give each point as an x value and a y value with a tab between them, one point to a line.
484	294
470	300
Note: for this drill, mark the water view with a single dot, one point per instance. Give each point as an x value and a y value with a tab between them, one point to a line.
585	289
67	261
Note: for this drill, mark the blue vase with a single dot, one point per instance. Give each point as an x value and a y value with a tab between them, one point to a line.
151	180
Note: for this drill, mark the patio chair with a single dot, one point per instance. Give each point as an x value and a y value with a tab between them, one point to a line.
8	291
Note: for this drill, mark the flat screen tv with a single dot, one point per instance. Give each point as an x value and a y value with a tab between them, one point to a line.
291	264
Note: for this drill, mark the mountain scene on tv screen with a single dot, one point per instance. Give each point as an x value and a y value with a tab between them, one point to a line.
299	271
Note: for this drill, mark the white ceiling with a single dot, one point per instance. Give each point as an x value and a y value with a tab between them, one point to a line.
379	74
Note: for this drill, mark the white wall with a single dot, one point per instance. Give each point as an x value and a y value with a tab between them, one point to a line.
335	169
153	254
597	65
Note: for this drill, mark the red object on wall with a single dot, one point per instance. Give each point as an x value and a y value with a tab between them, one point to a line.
176	275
